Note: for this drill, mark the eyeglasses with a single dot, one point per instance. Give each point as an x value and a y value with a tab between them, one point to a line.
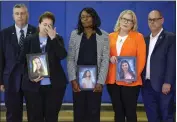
154	19
129	21
87	16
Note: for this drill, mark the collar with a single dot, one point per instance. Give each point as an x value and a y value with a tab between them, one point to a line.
157	34
24	28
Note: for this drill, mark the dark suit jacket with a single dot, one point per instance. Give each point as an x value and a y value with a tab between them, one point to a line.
10	72
162	61
56	52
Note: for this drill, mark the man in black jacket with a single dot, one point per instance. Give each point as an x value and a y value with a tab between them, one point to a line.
11	40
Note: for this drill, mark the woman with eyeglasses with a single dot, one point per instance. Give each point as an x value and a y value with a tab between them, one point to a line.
125	41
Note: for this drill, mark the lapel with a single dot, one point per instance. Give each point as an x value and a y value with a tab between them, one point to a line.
36	44
123	46
99	41
147	40
113	43
29	31
78	41
159	40
14	40
47	45
147	45
129	36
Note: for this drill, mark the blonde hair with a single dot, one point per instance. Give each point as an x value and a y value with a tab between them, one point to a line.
135	25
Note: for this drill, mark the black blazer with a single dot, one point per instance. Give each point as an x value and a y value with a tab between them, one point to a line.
10	71
56	52
163	61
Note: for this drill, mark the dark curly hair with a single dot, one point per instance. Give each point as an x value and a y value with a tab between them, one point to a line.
95	18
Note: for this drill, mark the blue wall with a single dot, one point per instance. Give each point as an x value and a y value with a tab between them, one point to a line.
66	14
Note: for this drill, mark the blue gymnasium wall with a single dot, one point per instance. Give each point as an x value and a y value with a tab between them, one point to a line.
66	14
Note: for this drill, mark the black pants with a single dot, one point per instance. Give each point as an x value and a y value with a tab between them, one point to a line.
87	106
14	105
124	102
44	106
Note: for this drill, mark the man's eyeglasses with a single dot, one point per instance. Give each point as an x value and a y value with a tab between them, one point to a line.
129	21
154	19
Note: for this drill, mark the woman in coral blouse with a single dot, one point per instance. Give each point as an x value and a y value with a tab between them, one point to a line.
125	41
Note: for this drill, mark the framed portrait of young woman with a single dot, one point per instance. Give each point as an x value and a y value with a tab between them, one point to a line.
87	76
126	68
37	65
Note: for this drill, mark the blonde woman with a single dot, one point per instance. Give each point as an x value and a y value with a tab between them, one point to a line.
125	41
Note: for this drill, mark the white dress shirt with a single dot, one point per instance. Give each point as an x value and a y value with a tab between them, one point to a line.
18	31
119	43
152	43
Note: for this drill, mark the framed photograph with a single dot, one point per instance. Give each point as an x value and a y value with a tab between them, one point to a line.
37	65
126	68
87	76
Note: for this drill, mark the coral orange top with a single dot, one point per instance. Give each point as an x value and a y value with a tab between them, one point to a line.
134	45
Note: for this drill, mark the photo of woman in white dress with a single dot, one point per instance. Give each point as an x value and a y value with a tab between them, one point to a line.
87	81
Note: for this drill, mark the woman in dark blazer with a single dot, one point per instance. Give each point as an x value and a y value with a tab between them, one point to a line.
44	95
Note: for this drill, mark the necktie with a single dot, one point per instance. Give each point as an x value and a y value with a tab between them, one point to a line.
22	37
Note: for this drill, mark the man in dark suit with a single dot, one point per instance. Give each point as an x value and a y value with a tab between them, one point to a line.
160	72
11	40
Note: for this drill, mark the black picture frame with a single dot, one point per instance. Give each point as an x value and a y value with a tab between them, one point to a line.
82	78
126	64
38	60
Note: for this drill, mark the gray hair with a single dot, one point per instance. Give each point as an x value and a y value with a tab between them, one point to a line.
20	6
